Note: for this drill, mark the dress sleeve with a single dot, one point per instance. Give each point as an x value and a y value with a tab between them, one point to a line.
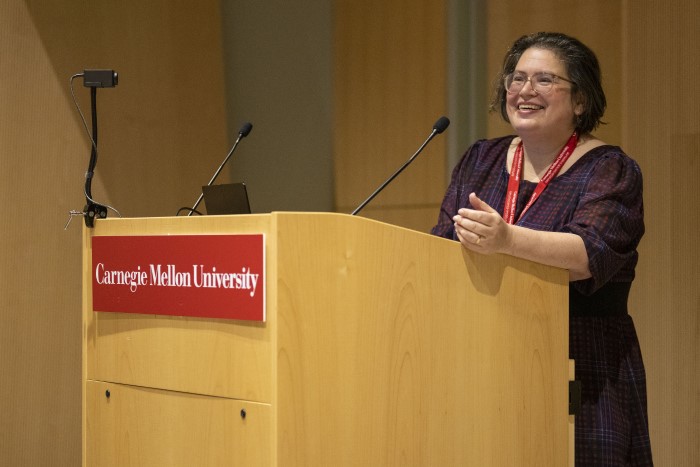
452	199
610	220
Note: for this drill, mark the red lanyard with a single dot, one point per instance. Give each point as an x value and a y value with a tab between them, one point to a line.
516	171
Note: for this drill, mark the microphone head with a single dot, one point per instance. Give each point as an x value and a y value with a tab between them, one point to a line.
245	129
441	125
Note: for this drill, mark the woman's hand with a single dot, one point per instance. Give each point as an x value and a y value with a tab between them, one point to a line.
482	229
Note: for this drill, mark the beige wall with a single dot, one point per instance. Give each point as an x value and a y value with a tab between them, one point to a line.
161	130
390	87
662	130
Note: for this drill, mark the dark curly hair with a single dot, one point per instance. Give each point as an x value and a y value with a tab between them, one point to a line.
581	65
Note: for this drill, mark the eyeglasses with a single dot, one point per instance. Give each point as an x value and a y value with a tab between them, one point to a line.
542	83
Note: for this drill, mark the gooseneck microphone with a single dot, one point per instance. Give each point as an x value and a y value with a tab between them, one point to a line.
440	126
242	133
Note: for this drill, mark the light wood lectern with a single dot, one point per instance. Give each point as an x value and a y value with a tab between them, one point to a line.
382	347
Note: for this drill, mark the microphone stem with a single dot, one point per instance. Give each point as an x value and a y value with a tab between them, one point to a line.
383	185
216	174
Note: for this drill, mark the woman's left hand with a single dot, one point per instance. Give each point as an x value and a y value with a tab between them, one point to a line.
482	229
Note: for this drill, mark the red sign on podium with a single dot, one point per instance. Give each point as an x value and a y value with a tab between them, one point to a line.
206	276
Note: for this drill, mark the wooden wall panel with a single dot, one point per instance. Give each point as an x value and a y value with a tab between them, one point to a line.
162	130
662	130
390	88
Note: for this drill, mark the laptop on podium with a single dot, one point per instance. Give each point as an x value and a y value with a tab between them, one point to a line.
229	198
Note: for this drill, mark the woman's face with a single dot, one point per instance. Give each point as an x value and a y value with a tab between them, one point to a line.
542	115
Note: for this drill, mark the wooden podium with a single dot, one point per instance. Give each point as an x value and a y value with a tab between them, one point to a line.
382	347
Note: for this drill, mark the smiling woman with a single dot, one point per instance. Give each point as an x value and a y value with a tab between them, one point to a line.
543	112
555	194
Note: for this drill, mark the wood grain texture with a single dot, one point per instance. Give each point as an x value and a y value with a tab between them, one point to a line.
214	357
136	426
390	87
177	374
662	131
387	347
150	126
430	356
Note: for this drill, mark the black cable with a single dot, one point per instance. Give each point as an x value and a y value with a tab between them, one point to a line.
188	209
92	207
93	153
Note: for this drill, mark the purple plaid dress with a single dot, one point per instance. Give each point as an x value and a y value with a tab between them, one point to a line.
600	199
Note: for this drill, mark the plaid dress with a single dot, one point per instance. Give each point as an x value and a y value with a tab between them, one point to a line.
600	199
